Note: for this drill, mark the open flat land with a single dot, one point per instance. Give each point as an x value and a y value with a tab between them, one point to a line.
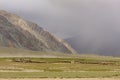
82	67
67	79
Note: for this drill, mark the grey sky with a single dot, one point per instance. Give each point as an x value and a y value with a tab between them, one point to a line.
66	18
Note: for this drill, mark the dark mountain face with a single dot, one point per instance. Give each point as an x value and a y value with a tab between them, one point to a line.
109	48
18	33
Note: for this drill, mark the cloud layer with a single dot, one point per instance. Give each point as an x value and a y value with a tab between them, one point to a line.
69	17
96	21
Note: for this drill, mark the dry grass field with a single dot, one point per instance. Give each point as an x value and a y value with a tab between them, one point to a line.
83	67
66	79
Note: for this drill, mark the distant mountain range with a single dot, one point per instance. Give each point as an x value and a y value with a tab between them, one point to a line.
109	48
15	32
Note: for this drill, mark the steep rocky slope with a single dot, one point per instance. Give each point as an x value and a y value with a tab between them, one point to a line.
19	33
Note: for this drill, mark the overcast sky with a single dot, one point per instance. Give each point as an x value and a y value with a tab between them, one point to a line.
67	18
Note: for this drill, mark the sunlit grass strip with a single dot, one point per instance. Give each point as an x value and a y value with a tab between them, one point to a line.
87	74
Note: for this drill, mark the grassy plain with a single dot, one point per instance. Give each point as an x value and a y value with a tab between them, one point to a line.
82	67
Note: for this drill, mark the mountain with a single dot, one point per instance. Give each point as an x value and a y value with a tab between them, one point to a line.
16	32
76	43
98	46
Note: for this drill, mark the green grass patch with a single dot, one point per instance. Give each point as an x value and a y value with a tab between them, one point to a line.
59	67
92	74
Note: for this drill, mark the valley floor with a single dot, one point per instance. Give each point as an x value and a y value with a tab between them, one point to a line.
98	68
65	79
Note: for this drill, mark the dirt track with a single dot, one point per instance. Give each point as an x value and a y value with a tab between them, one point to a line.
68	79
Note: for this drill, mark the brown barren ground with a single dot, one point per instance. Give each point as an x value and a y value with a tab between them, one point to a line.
65	79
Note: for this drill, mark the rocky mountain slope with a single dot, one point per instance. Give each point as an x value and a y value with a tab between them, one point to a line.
19	33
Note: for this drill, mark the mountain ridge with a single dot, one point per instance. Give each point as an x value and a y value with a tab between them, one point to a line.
20	33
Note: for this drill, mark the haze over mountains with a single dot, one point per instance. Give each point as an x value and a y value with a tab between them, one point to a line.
100	46
16	32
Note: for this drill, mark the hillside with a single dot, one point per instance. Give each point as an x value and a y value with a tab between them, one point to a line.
15	32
